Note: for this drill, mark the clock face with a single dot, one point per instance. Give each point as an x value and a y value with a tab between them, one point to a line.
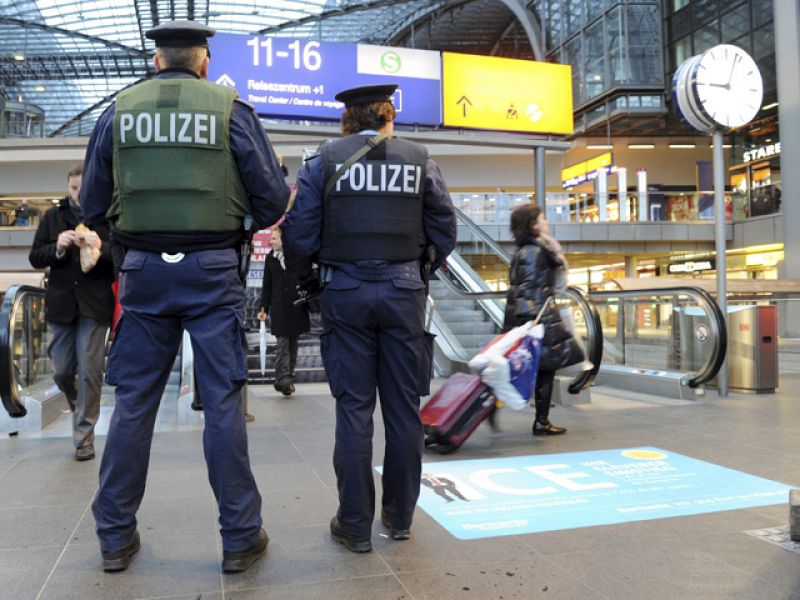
727	86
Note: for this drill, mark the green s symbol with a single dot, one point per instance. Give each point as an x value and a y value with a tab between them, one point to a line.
390	62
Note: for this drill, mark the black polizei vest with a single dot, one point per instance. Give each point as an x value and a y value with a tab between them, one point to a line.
374	211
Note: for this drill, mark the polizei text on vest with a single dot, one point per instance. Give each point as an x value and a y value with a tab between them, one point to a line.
381	177
172	127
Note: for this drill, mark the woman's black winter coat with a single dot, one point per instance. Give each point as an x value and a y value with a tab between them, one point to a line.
532	276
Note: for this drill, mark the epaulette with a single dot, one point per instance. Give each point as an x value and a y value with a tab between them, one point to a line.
247	104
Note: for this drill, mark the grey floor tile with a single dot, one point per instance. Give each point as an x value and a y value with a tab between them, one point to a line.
38	525
48	481
535	577
164	519
186	566
432	547
305	555
23	571
307	504
664	571
384	587
285	476
585	539
168	485
760	559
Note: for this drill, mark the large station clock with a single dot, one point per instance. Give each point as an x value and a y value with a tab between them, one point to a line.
718	89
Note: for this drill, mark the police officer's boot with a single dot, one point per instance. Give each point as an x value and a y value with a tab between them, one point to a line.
542	425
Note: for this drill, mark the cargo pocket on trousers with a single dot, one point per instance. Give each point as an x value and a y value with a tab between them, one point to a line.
112	376
426	365
331	362
239	366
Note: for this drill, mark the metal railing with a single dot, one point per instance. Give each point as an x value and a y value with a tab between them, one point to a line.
715	322
22	344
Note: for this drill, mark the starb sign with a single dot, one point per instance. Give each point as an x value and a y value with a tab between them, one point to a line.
761	152
298	78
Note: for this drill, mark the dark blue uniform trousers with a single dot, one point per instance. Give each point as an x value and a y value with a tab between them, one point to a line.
374	338
203	295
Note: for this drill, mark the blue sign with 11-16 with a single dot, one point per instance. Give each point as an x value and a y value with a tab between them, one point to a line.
299	78
527	494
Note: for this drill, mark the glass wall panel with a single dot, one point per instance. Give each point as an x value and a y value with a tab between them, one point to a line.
676	5
617	65
736	23
679	52
762	12
706	37
764	41
644	44
595	8
703	10
573	56
573	15
554	23
595	60
680	24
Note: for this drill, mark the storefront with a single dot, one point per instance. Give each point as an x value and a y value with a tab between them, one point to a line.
756	182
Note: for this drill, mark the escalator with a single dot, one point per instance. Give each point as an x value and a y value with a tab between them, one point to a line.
666	341
31	399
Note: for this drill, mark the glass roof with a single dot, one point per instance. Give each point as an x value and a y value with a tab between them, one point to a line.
72	57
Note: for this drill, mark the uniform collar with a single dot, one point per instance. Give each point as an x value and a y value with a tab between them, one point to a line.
176	72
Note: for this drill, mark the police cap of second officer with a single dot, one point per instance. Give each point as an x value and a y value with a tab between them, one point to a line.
367	94
180	34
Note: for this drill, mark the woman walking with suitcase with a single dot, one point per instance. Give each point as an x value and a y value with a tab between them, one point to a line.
538	270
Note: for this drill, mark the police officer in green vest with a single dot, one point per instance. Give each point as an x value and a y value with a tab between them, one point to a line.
175	164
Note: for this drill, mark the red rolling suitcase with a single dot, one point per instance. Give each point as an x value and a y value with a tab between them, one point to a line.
455	411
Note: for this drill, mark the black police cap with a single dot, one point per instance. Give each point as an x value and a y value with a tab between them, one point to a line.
180	34
367	94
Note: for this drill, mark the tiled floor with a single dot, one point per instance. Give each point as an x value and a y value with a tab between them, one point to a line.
48	549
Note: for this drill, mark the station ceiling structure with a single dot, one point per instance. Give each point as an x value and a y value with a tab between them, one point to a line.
71	57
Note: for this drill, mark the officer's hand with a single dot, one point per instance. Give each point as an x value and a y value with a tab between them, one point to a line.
262	316
65	240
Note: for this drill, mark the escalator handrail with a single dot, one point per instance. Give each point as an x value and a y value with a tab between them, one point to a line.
484	237
594	331
8	311
719	329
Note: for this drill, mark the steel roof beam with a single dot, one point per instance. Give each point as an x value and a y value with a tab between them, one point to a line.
94	106
74	34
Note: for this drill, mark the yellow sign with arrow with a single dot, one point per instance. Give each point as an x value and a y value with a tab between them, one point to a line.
487	92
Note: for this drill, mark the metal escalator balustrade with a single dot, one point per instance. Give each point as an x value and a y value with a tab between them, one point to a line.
675	336
24	366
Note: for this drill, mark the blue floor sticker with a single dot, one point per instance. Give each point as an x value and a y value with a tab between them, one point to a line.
526	494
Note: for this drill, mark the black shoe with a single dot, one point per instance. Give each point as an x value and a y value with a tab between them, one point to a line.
84	453
288	389
118	560
351	543
547	428
395	534
236	562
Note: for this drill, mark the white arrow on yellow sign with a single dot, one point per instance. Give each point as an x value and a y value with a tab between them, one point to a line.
486	92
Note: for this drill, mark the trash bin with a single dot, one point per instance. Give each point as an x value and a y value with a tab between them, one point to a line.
692	342
753	348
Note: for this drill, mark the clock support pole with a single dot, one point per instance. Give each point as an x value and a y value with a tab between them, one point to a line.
719	235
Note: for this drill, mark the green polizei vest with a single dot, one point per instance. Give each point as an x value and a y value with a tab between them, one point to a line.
173	167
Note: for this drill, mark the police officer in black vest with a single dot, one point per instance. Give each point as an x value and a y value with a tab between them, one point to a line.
367	209
175	164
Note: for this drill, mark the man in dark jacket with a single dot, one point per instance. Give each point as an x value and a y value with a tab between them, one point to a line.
79	307
287	321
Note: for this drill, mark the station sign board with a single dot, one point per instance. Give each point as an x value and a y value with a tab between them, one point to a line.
488	92
299	78
587	170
